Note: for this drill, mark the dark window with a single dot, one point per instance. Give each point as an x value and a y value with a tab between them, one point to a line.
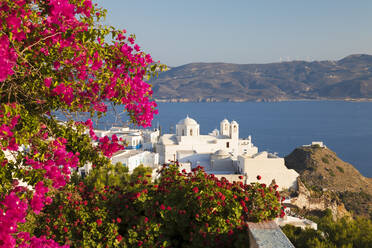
227	144
190	132
183	132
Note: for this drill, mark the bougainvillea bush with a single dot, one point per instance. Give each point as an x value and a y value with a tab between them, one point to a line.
56	56
178	210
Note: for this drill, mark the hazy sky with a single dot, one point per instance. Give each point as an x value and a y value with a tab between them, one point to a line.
178	32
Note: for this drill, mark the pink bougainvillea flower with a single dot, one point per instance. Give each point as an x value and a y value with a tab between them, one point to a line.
48	82
7	58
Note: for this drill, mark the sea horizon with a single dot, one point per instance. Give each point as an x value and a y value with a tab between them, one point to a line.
345	127
279	127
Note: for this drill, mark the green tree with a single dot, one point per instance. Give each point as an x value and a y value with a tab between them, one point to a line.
109	175
345	232
140	172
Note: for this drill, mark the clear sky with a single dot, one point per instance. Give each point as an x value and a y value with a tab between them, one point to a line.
178	32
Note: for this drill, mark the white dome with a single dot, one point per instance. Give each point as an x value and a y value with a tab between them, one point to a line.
225	121
221	153
187	121
234	123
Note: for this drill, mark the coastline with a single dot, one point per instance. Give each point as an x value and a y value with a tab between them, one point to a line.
345	126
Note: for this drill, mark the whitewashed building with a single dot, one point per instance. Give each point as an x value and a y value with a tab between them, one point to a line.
129	158
295	221
134	138
150	138
138	150
222	153
316	144
134	158
269	167
188	145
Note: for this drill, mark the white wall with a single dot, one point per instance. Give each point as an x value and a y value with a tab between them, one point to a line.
132	140
224	164
150	136
268	169
101	133
145	158
245	146
200	144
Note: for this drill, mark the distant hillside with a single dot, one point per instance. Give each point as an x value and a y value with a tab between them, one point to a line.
321	170
348	78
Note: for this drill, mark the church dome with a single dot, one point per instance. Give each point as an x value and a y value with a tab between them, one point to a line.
224	121
234	123
187	121
221	153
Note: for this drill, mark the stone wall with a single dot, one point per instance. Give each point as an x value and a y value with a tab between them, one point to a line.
305	201
267	234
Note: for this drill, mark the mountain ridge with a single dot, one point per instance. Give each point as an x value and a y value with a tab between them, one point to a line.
349	78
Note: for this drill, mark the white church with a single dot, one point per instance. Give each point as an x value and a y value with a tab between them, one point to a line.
222	153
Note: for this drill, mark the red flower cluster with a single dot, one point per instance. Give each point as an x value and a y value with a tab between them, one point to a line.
196	207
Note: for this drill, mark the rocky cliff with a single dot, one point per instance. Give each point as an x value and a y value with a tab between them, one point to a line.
308	201
329	178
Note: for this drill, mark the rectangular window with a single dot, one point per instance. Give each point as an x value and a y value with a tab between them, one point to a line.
227	144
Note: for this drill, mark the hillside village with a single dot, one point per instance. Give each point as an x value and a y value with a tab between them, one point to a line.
223	153
64	184
220	152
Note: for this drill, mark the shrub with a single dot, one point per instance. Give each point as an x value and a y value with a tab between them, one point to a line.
356	202
178	210
325	160
340	169
345	232
57	57
305	238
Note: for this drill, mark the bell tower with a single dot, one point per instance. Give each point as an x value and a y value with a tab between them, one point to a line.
234	130
225	128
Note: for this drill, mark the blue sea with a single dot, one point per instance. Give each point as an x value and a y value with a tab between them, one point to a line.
344	127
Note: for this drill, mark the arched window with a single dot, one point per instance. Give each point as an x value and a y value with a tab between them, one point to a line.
235	128
190	132
225	126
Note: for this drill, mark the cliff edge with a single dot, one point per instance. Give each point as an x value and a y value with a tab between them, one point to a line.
321	170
